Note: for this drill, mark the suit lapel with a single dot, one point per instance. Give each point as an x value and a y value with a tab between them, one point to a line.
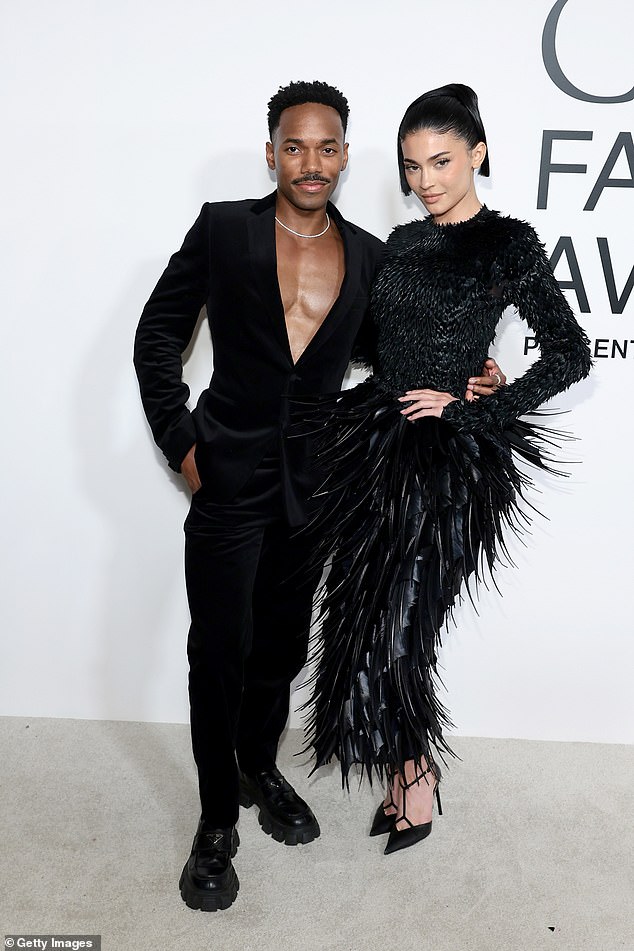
262	255
349	287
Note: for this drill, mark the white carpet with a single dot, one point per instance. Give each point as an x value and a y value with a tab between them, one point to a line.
534	850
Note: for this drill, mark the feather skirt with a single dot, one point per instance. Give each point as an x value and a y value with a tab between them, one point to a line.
413	516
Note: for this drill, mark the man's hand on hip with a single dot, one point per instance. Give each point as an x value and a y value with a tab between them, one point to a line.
190	472
491	380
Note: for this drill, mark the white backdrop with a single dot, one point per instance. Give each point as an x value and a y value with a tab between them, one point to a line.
120	120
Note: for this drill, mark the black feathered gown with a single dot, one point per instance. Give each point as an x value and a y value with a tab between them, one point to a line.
415	511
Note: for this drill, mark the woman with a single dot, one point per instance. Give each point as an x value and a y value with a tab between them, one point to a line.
422	483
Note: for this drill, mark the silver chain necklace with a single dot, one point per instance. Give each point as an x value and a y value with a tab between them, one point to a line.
299	235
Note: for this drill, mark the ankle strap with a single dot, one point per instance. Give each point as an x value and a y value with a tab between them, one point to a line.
417	777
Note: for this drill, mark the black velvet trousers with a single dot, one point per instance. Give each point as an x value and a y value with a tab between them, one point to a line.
250	603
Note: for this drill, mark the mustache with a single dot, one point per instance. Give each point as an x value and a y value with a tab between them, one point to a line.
314	177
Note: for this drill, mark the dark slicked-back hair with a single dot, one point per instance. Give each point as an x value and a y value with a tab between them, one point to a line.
297	94
452	108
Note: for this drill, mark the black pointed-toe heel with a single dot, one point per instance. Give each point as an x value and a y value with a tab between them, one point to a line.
383	821
403	838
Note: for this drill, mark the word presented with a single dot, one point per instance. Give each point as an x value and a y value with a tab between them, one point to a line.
601	348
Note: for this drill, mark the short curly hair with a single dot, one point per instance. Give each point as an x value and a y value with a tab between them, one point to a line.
296	94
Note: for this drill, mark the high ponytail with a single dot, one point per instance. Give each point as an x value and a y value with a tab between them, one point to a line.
451	108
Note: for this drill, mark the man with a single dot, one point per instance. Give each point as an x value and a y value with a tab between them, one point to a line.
285	281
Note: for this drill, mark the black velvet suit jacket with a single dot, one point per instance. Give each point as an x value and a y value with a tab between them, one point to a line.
228	263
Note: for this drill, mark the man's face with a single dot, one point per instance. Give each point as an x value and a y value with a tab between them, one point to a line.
308	154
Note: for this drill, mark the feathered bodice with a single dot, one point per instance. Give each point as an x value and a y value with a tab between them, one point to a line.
439	297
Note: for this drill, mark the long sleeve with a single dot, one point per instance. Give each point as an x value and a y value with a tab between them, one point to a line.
527	282
365	344
364	348
165	329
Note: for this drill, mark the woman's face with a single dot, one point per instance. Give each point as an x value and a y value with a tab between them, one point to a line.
439	169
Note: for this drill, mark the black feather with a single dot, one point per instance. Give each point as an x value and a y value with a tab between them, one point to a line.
415	514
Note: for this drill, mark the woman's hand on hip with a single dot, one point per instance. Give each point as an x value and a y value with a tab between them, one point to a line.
424	403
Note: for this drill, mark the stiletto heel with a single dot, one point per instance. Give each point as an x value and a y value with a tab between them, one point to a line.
384	821
403	838
438	802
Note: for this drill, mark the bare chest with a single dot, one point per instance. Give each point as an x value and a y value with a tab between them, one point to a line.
310	274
